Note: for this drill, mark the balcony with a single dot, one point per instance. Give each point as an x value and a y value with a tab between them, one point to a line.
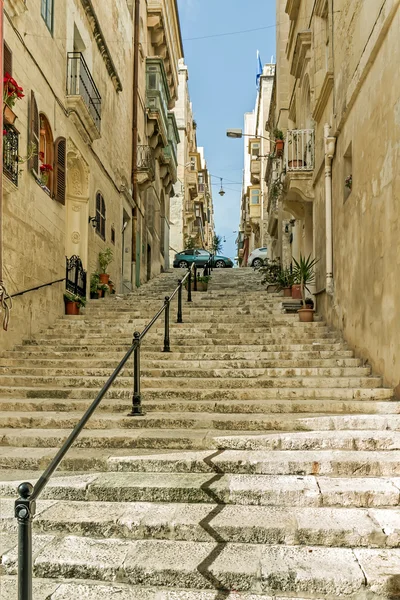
300	163
83	97
10	154
299	150
157	99
255	171
146	164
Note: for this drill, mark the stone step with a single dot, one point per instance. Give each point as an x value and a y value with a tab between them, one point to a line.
220	380
335	463
322	526
200	349
45	366
274	570
253	490
208	406
46	589
194	394
286	359
210	370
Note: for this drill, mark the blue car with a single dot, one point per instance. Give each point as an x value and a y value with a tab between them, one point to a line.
184	259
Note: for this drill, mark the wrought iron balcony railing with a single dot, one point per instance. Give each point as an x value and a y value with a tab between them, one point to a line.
299	150
145	161
10	153
80	83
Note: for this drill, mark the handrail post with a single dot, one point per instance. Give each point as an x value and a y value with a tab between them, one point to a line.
179	319
166	331
195	278
137	397
25	509
189	280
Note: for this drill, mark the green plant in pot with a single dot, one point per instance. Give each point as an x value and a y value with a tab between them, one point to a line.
305	274
284	281
105	258
73	303
94	285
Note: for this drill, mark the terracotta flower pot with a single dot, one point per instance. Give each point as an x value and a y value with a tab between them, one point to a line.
296	291
71	308
287	292
279	145
306	315
104	277
9	115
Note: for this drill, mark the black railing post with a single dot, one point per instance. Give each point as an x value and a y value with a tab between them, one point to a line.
166	332
137	397
195	278
189	280
25	509
179	319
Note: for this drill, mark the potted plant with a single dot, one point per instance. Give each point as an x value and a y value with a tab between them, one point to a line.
105	258
94	285
73	302
305	274
11	93
279	142
284	282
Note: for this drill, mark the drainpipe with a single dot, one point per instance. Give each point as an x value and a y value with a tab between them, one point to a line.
330	146
136	42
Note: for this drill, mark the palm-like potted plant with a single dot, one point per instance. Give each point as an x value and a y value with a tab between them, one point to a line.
284	282
105	258
73	302
304	273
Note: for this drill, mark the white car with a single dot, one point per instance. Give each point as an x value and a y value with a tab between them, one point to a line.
257	257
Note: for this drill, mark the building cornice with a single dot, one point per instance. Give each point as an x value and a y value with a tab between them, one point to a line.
101	43
326	89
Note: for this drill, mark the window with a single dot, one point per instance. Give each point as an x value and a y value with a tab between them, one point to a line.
47	13
255	196
112	235
100	216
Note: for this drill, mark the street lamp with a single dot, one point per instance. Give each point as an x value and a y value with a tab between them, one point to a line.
238	134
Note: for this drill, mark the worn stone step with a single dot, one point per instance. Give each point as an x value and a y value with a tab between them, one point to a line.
322	526
190	370
254	490
270	406
202	565
9	383
46	589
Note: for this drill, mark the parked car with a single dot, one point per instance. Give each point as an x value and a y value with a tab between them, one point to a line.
184	259
257	257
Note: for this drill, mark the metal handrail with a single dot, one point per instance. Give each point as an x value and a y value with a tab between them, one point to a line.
25	506
38	287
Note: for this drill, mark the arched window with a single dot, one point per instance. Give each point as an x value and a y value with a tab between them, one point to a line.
100	216
46	152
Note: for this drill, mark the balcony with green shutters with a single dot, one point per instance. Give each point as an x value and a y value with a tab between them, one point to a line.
157	99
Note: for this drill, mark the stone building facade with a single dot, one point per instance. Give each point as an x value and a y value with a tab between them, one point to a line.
192	211
74	59
338	102
253	228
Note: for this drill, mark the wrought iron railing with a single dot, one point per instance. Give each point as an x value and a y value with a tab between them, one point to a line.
25	506
76	276
80	83
10	153
299	150
146	161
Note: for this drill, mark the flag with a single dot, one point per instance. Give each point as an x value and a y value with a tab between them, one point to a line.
259	69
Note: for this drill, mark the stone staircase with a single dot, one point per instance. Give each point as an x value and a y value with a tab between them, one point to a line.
267	463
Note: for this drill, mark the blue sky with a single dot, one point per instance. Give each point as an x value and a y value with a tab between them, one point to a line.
222	72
